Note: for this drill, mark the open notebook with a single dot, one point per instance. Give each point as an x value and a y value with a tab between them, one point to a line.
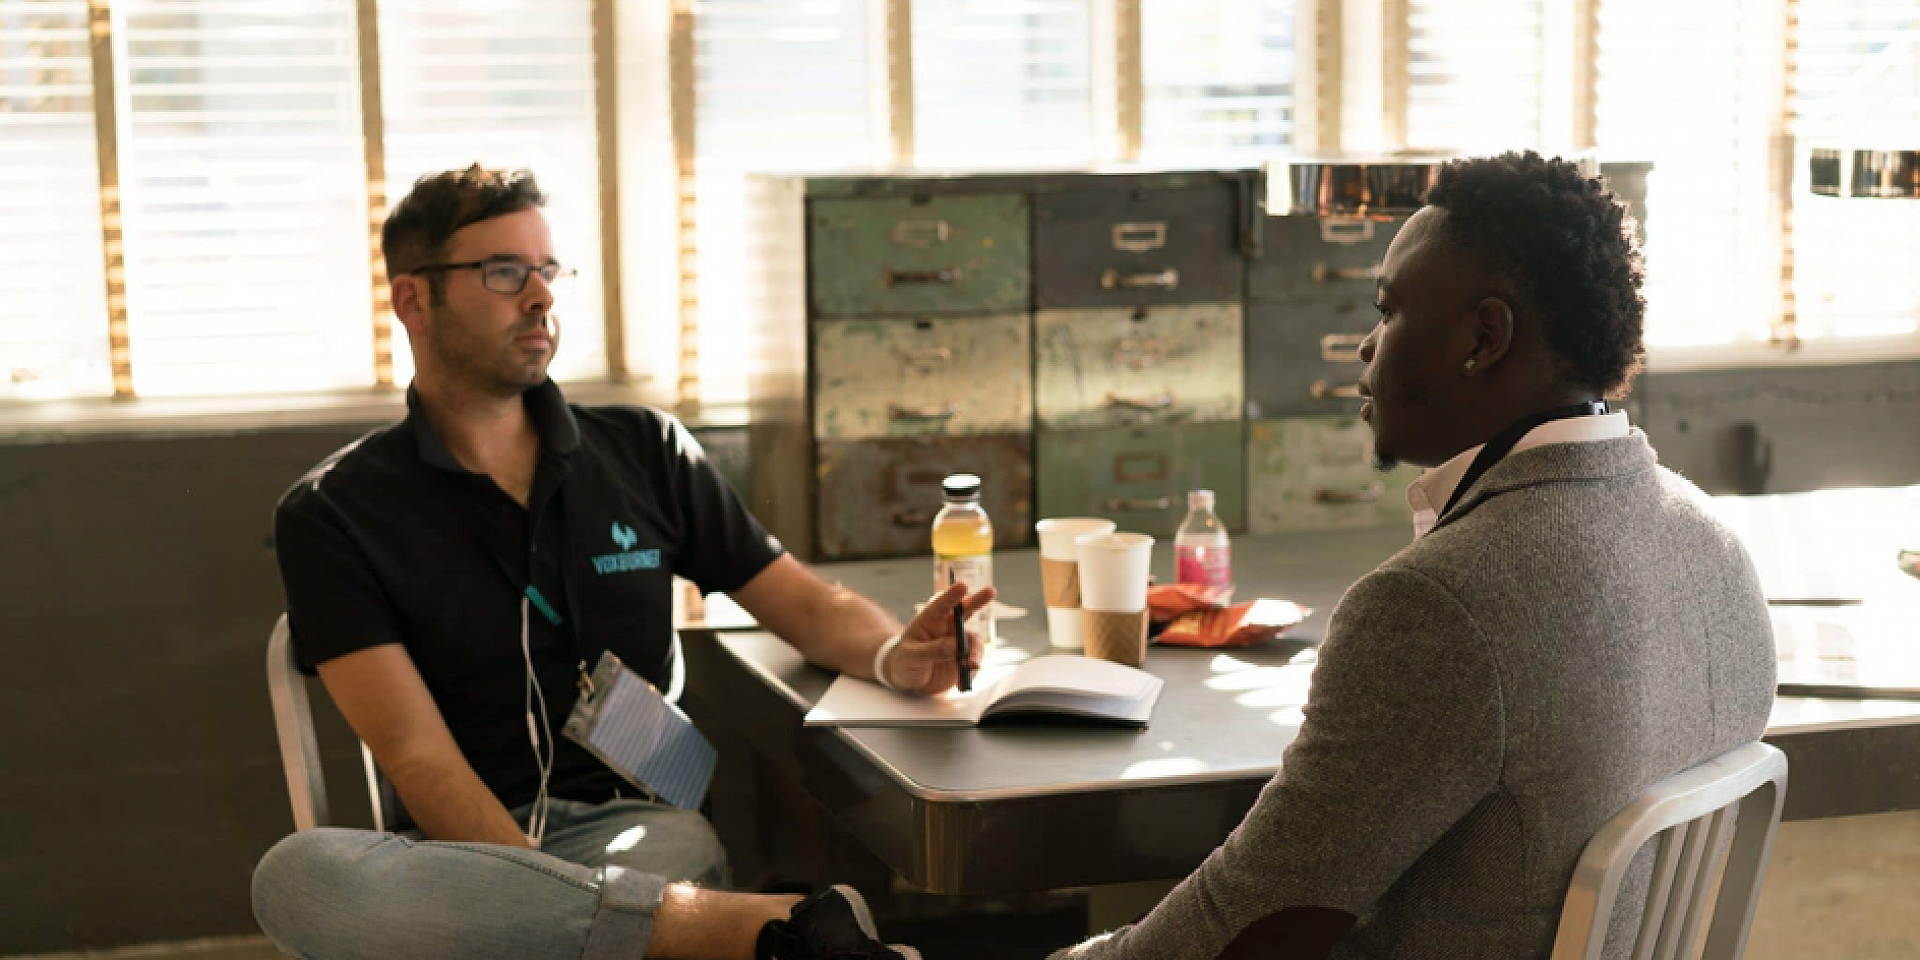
1068	685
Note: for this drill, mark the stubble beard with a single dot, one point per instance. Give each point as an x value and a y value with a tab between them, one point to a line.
473	363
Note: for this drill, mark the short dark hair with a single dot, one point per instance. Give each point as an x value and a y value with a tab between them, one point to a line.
418	228
1563	242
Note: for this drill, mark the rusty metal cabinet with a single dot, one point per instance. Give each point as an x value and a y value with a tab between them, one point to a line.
1310	304
1139	476
1316	473
909	327
1174	240
878	497
928	376
1136	365
928	253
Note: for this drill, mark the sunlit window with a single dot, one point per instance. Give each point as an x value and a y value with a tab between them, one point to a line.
1858	84
243	195
1002	83
1474	74
1217	81
505	83
53	301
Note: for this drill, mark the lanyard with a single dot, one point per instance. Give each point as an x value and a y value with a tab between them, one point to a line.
1504	441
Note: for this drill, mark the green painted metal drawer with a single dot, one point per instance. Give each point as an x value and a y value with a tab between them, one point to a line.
1316	473
877	498
1323	260
1137	244
1122	366
1139	476
930	376
930	254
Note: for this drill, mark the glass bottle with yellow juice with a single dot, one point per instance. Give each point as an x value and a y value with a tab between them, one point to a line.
963	544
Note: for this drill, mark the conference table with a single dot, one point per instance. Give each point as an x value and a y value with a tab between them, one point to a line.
1027	806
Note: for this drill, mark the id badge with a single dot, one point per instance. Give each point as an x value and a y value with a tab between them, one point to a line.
621	719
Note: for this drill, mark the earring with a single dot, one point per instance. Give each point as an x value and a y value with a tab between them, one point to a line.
1469	367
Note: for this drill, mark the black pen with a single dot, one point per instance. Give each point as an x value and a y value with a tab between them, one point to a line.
960	633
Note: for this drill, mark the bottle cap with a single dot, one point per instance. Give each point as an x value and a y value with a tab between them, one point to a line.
1200	500
961	486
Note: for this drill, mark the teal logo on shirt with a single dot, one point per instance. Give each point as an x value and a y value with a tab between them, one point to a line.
628	559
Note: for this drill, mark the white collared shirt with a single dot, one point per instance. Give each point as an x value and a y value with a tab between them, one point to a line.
1434	487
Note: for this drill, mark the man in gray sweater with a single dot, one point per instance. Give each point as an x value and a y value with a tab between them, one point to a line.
1567	627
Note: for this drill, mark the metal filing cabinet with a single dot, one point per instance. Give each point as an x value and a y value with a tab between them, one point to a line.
1316	473
897	340
1310	304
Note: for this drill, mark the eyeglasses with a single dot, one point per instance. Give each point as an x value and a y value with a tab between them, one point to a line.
509	277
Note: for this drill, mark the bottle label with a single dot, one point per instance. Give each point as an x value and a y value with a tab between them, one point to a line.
977	573
1206	566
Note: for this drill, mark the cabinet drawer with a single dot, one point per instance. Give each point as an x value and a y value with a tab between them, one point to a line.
1134	245
1321	259
930	376
1139	476
877	498
1316	473
951	255
1129	366
1303	358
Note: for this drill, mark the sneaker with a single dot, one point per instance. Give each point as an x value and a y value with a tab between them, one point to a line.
833	925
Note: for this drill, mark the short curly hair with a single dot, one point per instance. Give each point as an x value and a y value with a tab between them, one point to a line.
1563	243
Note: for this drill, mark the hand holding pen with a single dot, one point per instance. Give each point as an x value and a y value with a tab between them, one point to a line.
927	659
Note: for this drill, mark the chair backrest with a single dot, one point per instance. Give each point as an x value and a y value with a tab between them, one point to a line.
300	752
1740	793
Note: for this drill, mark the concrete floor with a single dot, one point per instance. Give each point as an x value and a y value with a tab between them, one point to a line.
1846	889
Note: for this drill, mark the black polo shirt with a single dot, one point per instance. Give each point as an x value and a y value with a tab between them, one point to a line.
391	540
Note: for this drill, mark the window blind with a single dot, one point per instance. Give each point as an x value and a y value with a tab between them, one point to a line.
1857	78
1002	83
781	87
242	194
1474	74
53	306
505	83
1216	80
1669	91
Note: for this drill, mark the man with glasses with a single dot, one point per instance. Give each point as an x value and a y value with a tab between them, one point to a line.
454	578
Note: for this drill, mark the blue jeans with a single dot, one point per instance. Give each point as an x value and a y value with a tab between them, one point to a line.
589	893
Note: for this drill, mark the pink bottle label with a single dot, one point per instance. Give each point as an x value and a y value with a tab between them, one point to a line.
1207	566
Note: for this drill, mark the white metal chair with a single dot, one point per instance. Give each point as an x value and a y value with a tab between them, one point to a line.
300	752
1693	811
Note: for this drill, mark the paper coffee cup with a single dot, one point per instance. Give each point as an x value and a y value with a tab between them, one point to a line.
1060	574
1113	572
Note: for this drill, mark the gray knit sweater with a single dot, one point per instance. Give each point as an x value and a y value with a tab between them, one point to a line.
1573	630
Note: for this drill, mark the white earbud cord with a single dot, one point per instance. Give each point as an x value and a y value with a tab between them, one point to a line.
537	819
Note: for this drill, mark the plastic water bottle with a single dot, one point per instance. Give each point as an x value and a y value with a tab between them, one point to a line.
1201	553
963	544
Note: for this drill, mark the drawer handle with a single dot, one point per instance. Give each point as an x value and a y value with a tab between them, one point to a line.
1335	495
1341	231
1324	273
1322	390
919	234
1145	404
1167	279
1117	504
926	358
1139	467
891	277
1341	347
912	517
930	412
1139	237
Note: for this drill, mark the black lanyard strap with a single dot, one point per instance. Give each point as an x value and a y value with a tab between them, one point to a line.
1504	441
